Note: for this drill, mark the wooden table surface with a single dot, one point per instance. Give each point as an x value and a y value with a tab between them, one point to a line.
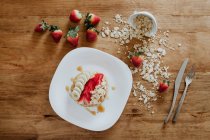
28	61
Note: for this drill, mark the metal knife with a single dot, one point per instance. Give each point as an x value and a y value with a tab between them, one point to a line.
176	88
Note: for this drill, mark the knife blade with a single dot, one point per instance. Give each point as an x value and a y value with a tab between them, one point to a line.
180	74
176	88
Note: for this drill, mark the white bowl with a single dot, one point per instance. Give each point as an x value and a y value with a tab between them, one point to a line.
118	75
147	14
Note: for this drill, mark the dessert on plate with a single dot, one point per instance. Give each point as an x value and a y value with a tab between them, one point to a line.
89	89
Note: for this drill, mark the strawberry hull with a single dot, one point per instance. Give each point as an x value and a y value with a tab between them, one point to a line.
91	20
56	33
41	27
73	37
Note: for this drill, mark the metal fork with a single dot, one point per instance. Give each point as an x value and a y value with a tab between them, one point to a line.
188	81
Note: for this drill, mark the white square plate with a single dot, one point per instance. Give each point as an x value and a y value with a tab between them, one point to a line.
118	75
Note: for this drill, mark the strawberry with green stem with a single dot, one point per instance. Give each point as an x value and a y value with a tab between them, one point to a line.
72	36
75	16
136	59
91	20
41	27
56	33
163	86
91	34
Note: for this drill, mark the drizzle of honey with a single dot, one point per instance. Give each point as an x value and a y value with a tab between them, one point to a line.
100	108
72	87
73	83
92	112
100	99
67	88
79	68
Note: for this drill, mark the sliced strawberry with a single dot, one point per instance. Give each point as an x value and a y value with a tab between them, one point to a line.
91	20
85	96
84	99
91	34
75	16
163	86
136	60
56	33
41	27
72	36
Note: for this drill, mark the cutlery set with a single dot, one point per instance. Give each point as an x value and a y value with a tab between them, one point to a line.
178	80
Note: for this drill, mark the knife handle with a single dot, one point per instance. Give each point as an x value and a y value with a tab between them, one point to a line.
180	104
172	106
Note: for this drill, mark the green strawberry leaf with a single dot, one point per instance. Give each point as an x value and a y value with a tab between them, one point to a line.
73	32
53	28
166	82
87	21
94	29
45	26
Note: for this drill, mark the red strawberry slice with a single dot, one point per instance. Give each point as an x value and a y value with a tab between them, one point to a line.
136	60
56	33
72	36
41	27
163	86
75	16
91	20
91	34
85	96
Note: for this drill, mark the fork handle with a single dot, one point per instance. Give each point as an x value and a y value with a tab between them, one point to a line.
180	104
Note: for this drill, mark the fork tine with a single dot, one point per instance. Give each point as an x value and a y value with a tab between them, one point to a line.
191	74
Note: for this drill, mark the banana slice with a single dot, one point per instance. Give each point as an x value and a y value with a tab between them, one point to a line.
88	74
75	95
79	85
83	76
81	81
77	89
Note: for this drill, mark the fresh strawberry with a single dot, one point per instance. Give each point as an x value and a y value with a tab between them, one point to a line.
41	27
75	16
56	33
136	60
72	36
91	20
163	86
91	34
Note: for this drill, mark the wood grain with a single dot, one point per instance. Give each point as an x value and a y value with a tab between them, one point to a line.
28	61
